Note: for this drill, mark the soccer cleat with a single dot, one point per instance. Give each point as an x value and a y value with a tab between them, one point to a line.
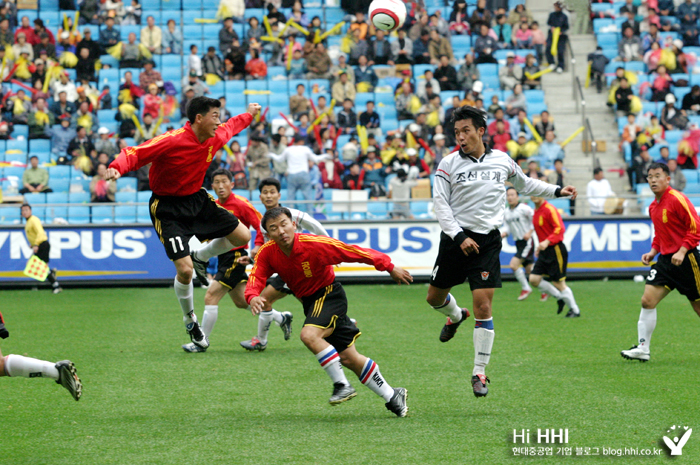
479	385
636	353
286	325
560	306
200	269
193	348
4	333
341	393
196	334
254	344
524	295
573	314
449	330
57	290
68	378
543	297
397	404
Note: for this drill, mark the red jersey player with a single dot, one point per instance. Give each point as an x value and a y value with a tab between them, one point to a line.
305	262
676	238
180	208
231	277
552	256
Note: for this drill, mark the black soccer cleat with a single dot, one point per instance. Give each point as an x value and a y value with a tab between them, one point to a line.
341	393
68	378
479	385
560	305
397	404
573	314
196	335
200	269
4	333
449	330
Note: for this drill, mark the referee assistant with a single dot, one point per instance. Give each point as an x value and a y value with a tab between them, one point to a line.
676	238
180	208
470	200
39	242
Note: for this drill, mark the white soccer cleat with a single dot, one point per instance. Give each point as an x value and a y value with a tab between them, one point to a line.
193	348
636	353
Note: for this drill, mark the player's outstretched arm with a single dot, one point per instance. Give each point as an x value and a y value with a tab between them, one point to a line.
401	276
112	174
526	185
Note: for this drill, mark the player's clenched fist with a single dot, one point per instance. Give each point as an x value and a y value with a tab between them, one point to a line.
401	276
112	174
254	109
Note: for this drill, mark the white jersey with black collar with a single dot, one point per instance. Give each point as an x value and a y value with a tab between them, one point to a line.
471	193
518	221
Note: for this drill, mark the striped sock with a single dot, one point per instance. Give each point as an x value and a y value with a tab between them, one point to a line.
330	361
483	342
450	309
373	379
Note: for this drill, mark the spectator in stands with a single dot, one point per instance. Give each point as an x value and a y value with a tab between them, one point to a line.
370	120
149	75
347	118
438	23
44	46
101	190
254	30
354	180
132	14
678	180
484	46
557	19
440	151
550	151
480	16
439	46
150	129
297	69
343	89
402	49
521	146
104	143
500	137
234	62
35	179
299	103
661	83
81	142
688	16
172	39
194	61
39	74
88	43
380	50
419	26
152	36
446	75
227	34
197	85
499	115
421	50
373	169
64	44
64	85
533	170
85	118
671	117
428	82
131	55
510	74
598	61
40	121
516	101
6	37
400	192
459	20
342	67
365	77
417	167
259	167
522	38
691	101
630	47
332	171
360	24
651	37
212	63
319	63
468	72
663	155
530	69
109	36
89	10
518	125
623	97
358	48
637	171
433	111
22	46
25	29
85	69
631	23
407	103
503	31
19	106
62	106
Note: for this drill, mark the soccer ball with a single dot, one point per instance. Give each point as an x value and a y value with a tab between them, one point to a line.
387	15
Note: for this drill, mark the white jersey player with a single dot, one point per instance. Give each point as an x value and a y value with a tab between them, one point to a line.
276	288
518	223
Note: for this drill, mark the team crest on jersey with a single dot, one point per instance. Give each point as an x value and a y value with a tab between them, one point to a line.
485	275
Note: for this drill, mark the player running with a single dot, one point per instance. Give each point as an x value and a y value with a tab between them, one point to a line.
552	257
518	222
276	288
62	372
231	277
39	242
470	197
305	262
676	238
180	208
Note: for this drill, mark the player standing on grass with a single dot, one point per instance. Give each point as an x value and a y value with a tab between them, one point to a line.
470	197
231	277
39	242
62	372
305	262
518	223
276	288
180	208
676	238
552	257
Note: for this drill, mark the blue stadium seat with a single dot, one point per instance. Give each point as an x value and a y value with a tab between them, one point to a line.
101	214
59	184
673	137
21	130
142	214
362	98
78	215
35	198
608	40
127	184
14	144
108	60
125	214
37	146
189	16
79	197
10	215
146	5
53	212
212	30
333	16
169	13
17	157
38	211
534	96
125	197
143	196
127	29
192	32
376	210
146	13
56	197
278	86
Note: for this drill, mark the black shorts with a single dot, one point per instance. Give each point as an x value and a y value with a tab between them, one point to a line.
43	252
483	270
551	263
525	251
328	308
685	278
177	219
279	285
230	274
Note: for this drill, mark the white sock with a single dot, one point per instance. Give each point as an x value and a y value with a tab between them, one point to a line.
645	327
277	316
373	379
522	279
213	248
16	365
264	321
483	342
549	288
211	313
330	361
185	295
450	309
568	296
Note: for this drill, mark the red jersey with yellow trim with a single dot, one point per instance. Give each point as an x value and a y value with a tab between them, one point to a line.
548	224
675	223
179	160
246	213
310	265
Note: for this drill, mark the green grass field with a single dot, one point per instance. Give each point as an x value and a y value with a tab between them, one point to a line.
147	401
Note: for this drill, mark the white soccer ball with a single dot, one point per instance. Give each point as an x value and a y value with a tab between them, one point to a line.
387	15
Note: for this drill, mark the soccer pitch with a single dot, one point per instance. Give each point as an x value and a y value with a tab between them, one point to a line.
147	401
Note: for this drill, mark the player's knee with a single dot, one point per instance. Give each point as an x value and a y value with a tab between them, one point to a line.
514	266
648	302
434	300
308	336
209	298
535	280
482	308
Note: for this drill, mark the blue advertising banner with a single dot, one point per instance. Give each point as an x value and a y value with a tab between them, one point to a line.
135	253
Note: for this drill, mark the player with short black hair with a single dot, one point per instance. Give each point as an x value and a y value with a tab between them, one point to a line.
180	208
676	238
39	242
470	197
518	223
305	262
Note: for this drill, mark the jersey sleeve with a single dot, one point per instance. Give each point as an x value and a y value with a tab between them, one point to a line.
689	218
311	225
551	215
258	276
526	185
334	252
442	192
230	128
133	158
251	216
505	228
